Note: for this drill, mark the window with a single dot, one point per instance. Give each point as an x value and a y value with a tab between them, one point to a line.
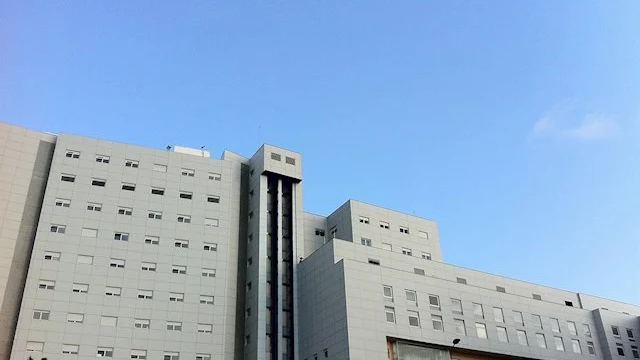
334	232
205	356
320	232
148	266
500	289
206	299
108	321
542	343
46	284
384	224
178	269
591	348
522	337
128	186
141	323
459	325
498	316
418	271
125	211
145	294
427	256
186	195
131	163
70	349
630	334
209	272
250	261
569	303
102	159
460	280
390	314
404	230
215	176
406	251
80	288
174	326
63	202
153	240
104	352
414	318
634	351
116	263
75	318
481	330
99	182
72	154
586	329
52	255
615	330
157	191
572	328
41	314
188	172
290	160
436	322
559	344
68	178
112	291
171	356
536	297
60	229
210	247
85	259
205	328
434	302
364	219
555	325
386	246
211	222
94	207
387	292
120	236
184	219
34	346
517	318
537	321
89	232
620	349
365	241
456	306
160	168
157	215
575	346
502	334
478	312
216	200
275	156
139	354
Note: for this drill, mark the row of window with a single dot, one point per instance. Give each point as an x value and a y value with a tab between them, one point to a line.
134	164
278	157
117	291
73	349
122	210
385	225
389	247
123	236
615	330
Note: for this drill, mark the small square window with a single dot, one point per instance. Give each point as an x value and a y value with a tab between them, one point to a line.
364	219
102	159
131	163
406	251
275	156
404	230
290	160
414	318
634	351
436	321
390	314
387	292
615	330
569	303
68	178
434	302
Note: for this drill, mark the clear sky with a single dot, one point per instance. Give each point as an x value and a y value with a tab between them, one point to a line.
514	124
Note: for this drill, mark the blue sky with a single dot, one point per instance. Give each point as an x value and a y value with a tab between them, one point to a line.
514	124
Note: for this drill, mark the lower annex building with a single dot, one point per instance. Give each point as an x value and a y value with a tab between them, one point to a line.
126	252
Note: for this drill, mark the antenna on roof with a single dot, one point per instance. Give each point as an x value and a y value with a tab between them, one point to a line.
168	147
202	150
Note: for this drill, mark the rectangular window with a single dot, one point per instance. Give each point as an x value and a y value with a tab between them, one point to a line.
390	314
418	271
46	284
365	241
102	159
434	302
131	163
536	297
145	294
384	224
128	187
105	352
215	176
99	182
216	199
501	289
125	211
387	246
575	346
68	178
502	334
80	288
186	195
75	318
178	269
60	229
85	259
404	230
63	202
34	346
586	329
427	256
41	314
537	321
459	325
184	219
498	316
141	323
72	154
456	306
94	207
139	354
180	243
206	299
555	325
620	349
290	160
209	272
320	232
436	321
572	328
108	321
517	318
275	156
423	234
120	236
171	356
481	330
52	255
112	291
615	330
188	172
210	247
406	251
148	266
157	191
559	343
160	168
591	348
414	318
630	334
205	328
153	240
211	222
89	232
387	292
174	326
156	215
70	349
542	343
634	351
478	311
116	263
522	337
460	280
364	219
